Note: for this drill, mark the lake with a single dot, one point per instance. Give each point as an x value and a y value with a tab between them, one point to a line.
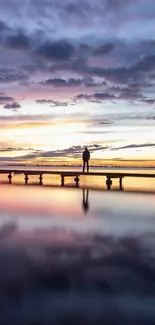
76	256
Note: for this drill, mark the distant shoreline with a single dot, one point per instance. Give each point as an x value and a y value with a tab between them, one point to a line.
75	166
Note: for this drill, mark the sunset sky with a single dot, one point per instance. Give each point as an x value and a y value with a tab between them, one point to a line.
77	73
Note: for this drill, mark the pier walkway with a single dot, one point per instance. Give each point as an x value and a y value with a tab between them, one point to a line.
76	176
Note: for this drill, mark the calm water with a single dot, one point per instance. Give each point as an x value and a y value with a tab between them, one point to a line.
74	256
140	184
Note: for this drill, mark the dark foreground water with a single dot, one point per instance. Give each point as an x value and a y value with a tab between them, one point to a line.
69	256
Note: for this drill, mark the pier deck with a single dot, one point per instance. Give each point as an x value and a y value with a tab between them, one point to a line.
76	174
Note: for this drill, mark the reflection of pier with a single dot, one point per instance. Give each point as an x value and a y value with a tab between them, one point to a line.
85	202
76	176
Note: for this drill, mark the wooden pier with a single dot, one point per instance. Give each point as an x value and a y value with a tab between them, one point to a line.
76	176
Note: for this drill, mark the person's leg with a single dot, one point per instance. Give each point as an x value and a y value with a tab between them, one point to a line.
84	163
88	166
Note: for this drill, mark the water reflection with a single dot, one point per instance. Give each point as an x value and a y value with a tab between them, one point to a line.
85	202
59	267
93	280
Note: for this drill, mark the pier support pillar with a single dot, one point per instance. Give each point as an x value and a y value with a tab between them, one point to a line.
108	183
121	184
10	178
26	179
41	179
62	180
76	179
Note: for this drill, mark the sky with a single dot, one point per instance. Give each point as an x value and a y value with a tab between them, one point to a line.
77	73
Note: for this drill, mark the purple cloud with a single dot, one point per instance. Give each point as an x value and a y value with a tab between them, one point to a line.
63	52
13	106
60	50
104	49
17	41
4	99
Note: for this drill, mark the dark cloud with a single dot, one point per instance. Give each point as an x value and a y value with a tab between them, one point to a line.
111	5
54	103
91	83
134	73
72	152
59	82
103	96
150	118
132	92
104	49
4	99
3	27
146	63
140	85
134	146
18	41
60	50
11	75
73	58
101	123
77	10
96	96
13	106
128	93
10	149
149	100
72	82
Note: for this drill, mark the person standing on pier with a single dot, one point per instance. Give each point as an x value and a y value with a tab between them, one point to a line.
86	157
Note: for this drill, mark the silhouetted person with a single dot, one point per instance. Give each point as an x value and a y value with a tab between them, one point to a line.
86	157
85	200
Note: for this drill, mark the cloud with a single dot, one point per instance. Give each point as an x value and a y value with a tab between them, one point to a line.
134	146
4	99
72	152
18	41
73	55
13	106
127	74
96	96
150	117
59	82
31	121
3	27
8	75
72	82
128	93
101	123
149	100
104	49
10	149
58	51
116	93
47	45
27	118
54	103
134	73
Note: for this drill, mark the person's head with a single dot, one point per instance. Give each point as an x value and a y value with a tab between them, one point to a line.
86	149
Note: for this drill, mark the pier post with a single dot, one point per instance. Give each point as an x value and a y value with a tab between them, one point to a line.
108	183
121	184
62	180
41	179
26	179
76	179
10	178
